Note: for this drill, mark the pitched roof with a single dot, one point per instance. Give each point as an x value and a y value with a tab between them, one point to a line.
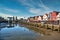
46	14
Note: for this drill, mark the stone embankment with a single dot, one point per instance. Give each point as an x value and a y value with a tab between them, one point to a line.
50	32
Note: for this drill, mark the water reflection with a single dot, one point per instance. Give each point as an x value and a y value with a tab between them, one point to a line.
4	25
17	33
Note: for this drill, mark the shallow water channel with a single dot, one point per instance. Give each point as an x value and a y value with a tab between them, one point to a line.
18	32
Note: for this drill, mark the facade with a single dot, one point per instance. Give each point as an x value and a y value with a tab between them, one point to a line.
30	19
36	18
58	16
40	18
53	16
45	17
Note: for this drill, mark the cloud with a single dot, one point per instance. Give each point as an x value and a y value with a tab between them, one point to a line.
39	11
2	7
5	15
8	15
27	3
33	4
41	4
35	11
11	10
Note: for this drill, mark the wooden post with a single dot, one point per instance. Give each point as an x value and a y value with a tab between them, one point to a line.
52	27
47	25
59	26
59	23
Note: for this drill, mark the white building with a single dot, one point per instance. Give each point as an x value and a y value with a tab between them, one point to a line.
40	18
58	16
45	17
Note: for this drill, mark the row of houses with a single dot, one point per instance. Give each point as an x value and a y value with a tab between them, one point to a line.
51	16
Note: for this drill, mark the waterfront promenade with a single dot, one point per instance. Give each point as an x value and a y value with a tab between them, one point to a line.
49	32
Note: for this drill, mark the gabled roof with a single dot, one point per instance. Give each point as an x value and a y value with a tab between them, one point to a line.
55	12
46	14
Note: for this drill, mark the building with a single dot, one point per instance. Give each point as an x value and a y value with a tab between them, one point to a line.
40	18
53	16
36	18
30	19
58	16
45	17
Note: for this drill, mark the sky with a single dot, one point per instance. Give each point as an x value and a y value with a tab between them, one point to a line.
28	8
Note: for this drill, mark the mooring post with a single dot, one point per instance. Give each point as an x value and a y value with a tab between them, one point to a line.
47	25
59	26
52	27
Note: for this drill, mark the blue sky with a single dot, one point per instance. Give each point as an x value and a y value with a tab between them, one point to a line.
27	8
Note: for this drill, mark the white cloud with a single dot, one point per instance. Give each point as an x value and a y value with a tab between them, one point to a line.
8	15
5	15
27	3
33	4
8	9
35	11
41	4
11	10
